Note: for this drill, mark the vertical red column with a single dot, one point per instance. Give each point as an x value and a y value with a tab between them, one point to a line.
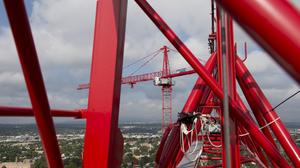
225	35
166	92
103	140
166	106
34	80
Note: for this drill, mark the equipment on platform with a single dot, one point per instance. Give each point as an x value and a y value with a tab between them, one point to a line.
158	81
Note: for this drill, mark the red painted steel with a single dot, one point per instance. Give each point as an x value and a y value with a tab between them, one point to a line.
274	25
172	154
194	98
260	104
201	94
252	144
230	54
172	143
166	67
179	74
230	75
28	112
21	30
202	72
166	92
162	143
103	145
141	78
131	79
261	123
144	77
166	107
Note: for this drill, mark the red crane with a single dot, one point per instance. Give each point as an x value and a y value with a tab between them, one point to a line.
161	78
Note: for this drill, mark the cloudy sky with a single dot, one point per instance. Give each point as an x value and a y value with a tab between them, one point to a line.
63	34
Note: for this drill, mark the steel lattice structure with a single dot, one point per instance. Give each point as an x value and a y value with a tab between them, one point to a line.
273	24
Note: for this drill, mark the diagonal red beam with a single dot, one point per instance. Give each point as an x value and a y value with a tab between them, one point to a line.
195	96
34	81
28	112
171	154
260	104
162	143
248	139
201	94
274	25
103	145
202	72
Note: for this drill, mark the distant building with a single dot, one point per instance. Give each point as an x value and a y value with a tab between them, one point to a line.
25	164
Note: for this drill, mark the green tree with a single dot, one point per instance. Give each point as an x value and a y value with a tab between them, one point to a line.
41	163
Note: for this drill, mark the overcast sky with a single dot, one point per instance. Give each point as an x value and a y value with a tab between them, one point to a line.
63	34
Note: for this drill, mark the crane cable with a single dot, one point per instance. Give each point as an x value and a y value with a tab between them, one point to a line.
273	121
285	100
141	66
137	61
171	49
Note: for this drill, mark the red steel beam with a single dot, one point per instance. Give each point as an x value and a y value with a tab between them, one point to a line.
266	131
274	25
259	103
198	89
143	78
179	74
202	72
205	97
212	151
103	145
248	139
173	154
225	34
201	95
162	143
261	121
170	148
28	112
20	27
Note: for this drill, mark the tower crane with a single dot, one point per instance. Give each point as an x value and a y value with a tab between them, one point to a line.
161	78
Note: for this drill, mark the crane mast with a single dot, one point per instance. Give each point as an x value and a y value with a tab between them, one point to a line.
166	89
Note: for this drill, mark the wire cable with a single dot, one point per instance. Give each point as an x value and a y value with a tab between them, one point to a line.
140	67
268	124
285	100
143	58
171	49
262	127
